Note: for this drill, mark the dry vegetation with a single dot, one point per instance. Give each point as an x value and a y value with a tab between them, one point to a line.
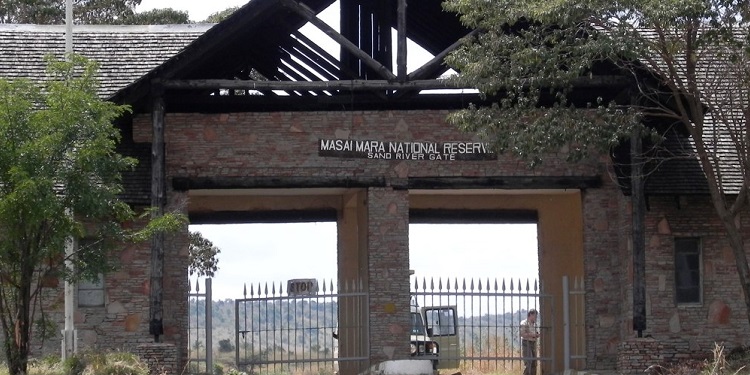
736	362
114	363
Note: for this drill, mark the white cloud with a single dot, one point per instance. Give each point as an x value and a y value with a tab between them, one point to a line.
270	254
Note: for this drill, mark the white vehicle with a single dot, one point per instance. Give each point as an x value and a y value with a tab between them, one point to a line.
421	343
433	333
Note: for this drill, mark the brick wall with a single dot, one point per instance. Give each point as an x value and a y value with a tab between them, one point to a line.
161	358
606	271
285	144
388	258
636	355
690	330
122	324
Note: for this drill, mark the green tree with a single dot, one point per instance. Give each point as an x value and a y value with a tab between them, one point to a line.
220	15
695	53
225	346
59	179
165	16
203	256
53	11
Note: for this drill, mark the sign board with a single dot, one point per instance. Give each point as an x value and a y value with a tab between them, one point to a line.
302	287
434	151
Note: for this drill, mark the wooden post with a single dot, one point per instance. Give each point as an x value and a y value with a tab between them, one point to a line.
638	201
401	44
158	187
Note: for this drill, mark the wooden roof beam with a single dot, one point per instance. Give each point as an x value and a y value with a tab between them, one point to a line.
436	64
303	40
401	43
609	82
343	85
311	17
320	66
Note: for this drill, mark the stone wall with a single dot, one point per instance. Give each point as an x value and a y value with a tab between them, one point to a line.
161	358
636	355
285	144
388	222
682	332
691	330
606	273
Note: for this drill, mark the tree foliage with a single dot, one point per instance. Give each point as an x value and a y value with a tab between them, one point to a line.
165	16
221	15
90	12
53	11
689	59
203	256
59	180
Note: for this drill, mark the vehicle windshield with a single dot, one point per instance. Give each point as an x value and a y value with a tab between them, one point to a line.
417	327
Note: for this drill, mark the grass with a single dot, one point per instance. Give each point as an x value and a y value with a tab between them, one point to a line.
114	363
733	363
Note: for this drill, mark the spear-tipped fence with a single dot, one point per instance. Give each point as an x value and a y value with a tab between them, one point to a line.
200	343
278	331
488	313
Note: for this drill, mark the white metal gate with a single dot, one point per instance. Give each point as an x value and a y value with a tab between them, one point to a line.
200	333
282	332
484	334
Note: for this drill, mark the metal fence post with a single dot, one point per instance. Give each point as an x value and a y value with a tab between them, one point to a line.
566	322
209	328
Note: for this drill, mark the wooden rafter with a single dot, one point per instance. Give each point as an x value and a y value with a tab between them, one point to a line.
346	73
361	85
309	57
311	17
436	65
345	85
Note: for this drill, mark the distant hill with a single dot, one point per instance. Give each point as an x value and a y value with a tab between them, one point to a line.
308	324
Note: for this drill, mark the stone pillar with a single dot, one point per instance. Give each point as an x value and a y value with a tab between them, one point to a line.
161	358
388	260
636	355
175	281
352	272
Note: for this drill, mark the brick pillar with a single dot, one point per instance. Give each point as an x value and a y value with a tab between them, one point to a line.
388	261
175	282
161	358
636	355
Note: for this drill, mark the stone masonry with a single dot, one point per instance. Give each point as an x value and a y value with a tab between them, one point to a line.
285	144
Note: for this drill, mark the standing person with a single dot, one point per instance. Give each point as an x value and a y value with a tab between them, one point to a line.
529	335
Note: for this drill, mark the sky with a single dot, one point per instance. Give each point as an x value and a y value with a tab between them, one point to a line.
253	254
260	254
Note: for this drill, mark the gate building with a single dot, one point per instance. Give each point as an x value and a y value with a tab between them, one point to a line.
252	120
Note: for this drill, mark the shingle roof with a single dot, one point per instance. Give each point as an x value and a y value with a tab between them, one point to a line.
128	53
125	53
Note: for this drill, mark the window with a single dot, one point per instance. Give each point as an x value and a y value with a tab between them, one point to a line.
687	270
91	293
441	320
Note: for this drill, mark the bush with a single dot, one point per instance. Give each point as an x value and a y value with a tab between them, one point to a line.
116	363
74	365
225	346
